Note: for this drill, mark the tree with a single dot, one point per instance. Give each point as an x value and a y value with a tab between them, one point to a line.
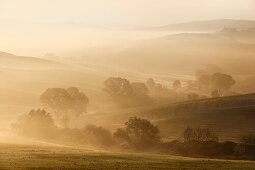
214	82
222	82
56	99
64	102
177	84
126	94
199	134
80	100
37	123
117	86
139	133
140	94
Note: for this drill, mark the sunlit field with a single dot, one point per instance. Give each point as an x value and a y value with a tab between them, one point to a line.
14	156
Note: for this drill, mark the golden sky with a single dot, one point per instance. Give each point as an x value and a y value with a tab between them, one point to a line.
135	12
35	27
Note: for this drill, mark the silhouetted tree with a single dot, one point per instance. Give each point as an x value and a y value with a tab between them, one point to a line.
222	82
118	87
64	102
214	82
37	123
139	133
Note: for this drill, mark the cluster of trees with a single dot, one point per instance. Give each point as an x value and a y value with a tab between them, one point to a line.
199	134
209	82
137	134
64	103
40	125
132	94
204	142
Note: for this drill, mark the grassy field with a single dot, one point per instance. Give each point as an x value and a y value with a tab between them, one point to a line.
13	156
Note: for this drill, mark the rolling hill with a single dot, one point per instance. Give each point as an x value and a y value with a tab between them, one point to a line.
230	117
184	53
12	61
23	79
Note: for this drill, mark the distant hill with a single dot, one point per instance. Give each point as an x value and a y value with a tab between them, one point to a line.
185	53
208	25
12	61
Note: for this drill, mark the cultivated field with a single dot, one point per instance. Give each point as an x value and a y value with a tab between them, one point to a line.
17	156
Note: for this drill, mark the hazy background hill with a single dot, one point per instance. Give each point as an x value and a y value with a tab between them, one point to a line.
184	52
208	25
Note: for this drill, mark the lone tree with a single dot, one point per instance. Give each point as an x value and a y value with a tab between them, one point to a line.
139	133
64	102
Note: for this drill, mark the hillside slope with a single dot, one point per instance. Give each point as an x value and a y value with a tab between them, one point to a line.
12	61
185	53
230	117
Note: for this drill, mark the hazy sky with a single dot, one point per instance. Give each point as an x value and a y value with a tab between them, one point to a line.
138	12
34	24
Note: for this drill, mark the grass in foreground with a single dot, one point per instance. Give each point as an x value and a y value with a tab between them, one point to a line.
49	157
